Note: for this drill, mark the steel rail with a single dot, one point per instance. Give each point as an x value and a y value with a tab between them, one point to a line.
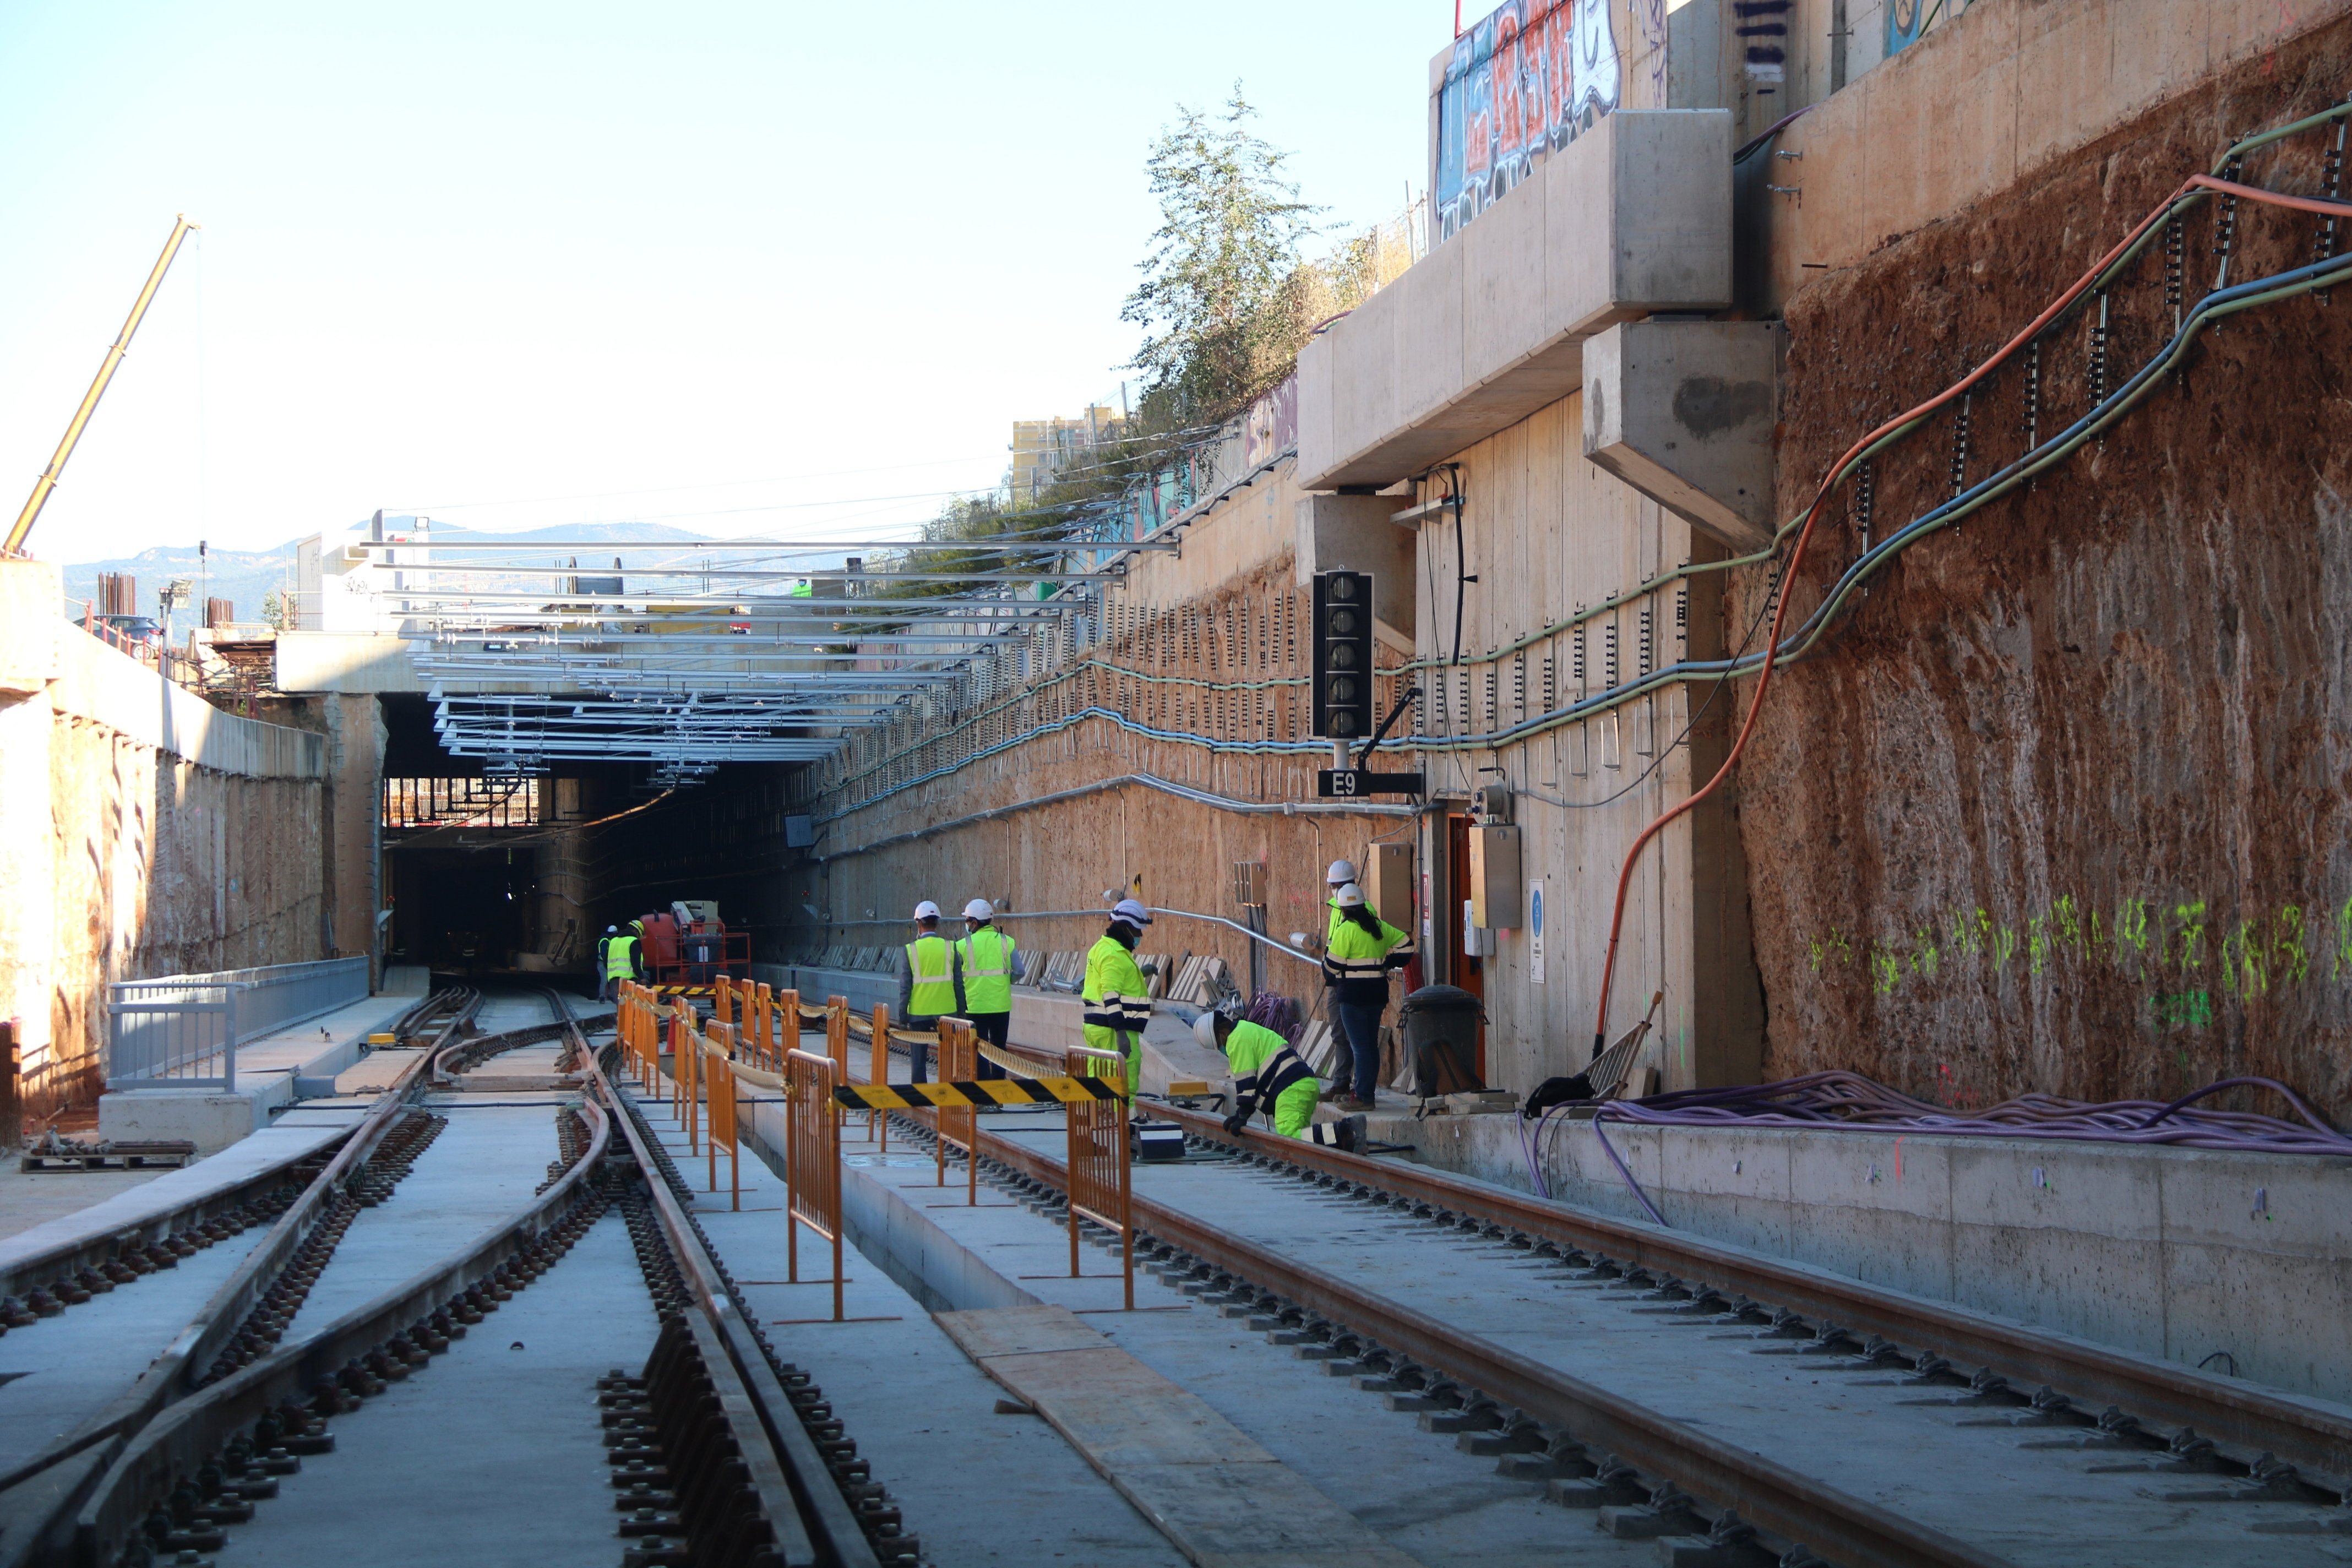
2311	1435
192	1349
833	1528
1771	1496
1843	1528
184	1437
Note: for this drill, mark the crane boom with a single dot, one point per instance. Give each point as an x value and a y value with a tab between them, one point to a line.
49	479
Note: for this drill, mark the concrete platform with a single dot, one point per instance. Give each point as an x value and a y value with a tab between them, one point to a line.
2186	1254
321	1047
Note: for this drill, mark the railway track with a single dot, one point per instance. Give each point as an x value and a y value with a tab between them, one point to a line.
634	1412
1742	1411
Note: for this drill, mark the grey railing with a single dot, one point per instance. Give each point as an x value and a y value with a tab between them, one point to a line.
182	1031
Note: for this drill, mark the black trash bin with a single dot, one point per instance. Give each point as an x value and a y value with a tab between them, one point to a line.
1441	1023
702	956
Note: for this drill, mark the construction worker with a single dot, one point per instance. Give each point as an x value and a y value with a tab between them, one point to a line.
1117	998
986	963
1356	963
616	959
1269	1076
929	986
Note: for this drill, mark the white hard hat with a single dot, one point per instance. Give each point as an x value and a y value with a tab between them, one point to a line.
1350	897
612	931
1204	1029
1131	912
979	910
1341	871
927	910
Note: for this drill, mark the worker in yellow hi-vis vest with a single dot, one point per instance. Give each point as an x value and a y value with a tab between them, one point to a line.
929	989
986	963
1117	998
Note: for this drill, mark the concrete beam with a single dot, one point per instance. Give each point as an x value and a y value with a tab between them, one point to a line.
1632	217
1684	412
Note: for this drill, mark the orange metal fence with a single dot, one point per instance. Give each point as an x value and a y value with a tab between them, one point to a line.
719	1072
812	1161
959	1062
1101	1175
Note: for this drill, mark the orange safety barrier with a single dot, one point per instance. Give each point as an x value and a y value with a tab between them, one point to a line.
685	1090
718	1072
763	1037
812	1161
1100	1170
722	999
958	1124
878	1065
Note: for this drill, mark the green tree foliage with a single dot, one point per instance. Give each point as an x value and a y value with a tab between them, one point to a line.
1220	328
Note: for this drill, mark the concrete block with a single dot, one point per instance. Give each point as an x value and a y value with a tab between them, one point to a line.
1353	534
210	1120
1684	412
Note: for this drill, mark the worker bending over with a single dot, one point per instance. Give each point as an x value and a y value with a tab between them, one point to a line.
1267	1074
930	988
1117	998
985	963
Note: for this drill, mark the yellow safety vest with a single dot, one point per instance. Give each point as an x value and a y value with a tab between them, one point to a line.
987	971
934	995
621	957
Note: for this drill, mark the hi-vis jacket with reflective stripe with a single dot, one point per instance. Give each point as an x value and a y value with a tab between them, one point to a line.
1356	962
1264	1066
620	956
930	972
986	957
1117	996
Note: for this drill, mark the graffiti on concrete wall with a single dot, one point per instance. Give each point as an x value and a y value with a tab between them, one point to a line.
1524	82
2184	953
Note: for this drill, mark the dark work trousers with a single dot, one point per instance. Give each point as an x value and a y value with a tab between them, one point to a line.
1361	1026
991	1028
918	1056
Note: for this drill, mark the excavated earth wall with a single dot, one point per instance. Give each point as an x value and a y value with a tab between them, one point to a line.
2063	807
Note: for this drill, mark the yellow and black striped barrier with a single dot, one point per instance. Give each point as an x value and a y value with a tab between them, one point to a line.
981	1093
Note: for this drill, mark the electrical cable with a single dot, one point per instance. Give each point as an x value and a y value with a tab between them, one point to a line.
2189	189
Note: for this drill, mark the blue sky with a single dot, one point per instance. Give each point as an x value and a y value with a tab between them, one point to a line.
719	256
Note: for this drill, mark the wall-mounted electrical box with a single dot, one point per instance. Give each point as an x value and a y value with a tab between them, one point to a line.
1249	884
1495	894
1389	884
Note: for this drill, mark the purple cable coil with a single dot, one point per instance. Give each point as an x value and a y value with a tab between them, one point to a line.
1841	1101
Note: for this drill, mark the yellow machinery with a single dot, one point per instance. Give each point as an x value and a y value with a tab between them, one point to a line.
49	479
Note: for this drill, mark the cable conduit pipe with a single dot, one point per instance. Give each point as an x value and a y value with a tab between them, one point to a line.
2129	245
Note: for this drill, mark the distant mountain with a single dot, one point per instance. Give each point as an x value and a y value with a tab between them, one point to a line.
240	575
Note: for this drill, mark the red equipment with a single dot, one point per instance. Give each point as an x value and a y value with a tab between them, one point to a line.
689	945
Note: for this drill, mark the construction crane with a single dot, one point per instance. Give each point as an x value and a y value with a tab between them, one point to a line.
49	479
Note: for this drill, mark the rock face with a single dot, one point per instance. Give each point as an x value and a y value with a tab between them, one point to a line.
2062	806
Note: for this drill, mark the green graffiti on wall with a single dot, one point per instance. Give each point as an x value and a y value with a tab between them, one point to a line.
2256	952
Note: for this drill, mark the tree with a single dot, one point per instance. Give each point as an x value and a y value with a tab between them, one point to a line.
273	611
1218	331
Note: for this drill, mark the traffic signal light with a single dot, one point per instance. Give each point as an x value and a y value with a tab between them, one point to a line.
1343	655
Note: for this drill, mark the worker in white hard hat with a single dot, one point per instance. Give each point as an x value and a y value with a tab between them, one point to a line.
930	988
985	963
1269	1076
1117	998
1363	948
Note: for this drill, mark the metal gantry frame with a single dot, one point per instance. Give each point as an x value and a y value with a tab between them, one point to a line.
689	658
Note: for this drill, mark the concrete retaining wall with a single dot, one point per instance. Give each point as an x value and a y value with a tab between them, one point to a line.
143	831
2182	1253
